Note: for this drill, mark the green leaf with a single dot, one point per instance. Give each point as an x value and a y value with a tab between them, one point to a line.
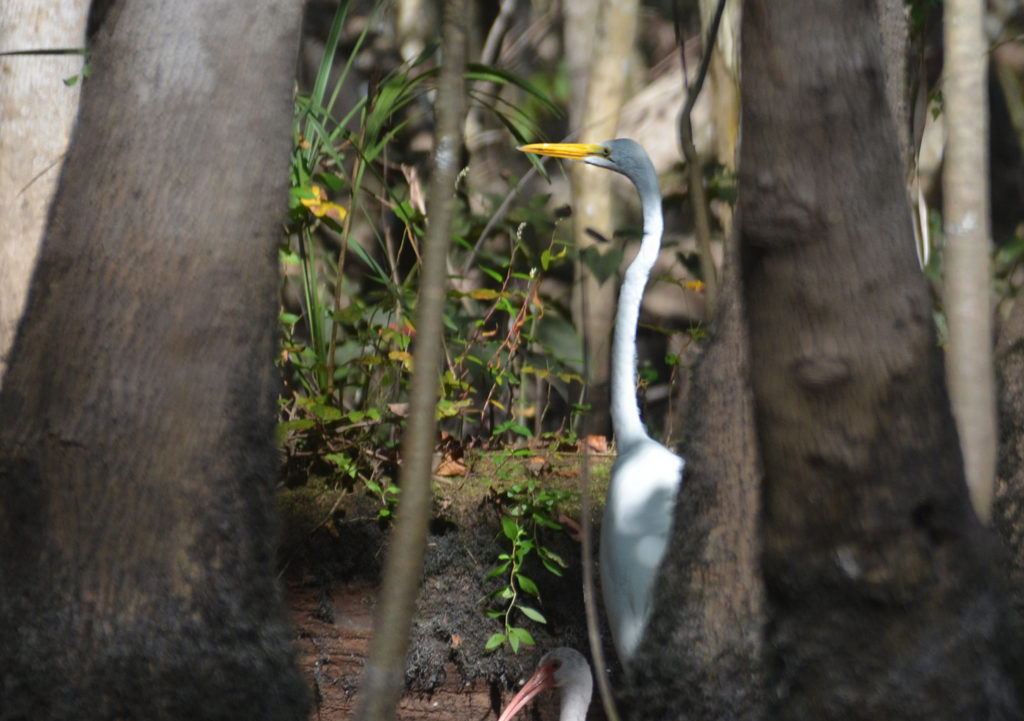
296	424
550	555
494	641
547	256
533	614
527	585
510	528
552	568
521	634
491	74
344	463
495	275
511	425
333	182
497	571
546	522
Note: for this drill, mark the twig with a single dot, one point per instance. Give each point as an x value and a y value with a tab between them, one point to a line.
587	559
698	197
497	32
383	675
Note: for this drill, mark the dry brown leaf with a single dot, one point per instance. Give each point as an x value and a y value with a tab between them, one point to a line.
536	465
451	467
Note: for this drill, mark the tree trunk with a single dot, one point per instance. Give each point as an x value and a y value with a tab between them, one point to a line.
605	95
37	111
968	300
879	577
1008	509
137	571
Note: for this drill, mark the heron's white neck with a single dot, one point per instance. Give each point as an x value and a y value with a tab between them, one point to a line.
626	421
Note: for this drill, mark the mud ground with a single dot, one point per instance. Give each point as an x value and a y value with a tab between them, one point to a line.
332	551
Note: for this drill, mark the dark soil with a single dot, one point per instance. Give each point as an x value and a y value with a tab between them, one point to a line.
333	546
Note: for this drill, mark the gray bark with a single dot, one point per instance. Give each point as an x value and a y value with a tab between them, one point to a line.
852	579
880	580
137	457
967	295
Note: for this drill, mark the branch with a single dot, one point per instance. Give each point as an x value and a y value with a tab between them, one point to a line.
698	198
384	674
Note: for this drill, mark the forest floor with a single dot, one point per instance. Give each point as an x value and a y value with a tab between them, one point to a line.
332	550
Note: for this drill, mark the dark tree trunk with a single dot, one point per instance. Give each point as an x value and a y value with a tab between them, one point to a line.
703	649
879	577
137	575
1008	509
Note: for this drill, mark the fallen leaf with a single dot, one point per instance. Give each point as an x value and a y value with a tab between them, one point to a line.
536	465
451	467
596	443
399	409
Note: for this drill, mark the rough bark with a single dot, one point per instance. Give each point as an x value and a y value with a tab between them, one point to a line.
894	27
879	577
965	196
37	111
383	677
703	650
137	570
1008	508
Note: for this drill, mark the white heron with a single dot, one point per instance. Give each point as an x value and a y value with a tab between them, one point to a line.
646	475
562	668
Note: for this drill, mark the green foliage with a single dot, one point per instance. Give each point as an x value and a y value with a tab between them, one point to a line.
346	338
529	509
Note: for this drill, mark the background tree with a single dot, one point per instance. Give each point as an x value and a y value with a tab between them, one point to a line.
137	457
38	106
599	95
965	197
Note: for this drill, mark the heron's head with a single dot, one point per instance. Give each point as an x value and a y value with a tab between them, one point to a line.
622	155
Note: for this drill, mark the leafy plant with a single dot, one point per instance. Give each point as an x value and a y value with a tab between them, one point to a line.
530	509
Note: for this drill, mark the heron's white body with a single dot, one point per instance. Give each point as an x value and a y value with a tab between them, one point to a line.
634	534
646	476
645	479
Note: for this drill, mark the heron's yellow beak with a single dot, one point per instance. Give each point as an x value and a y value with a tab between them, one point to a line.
573	151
